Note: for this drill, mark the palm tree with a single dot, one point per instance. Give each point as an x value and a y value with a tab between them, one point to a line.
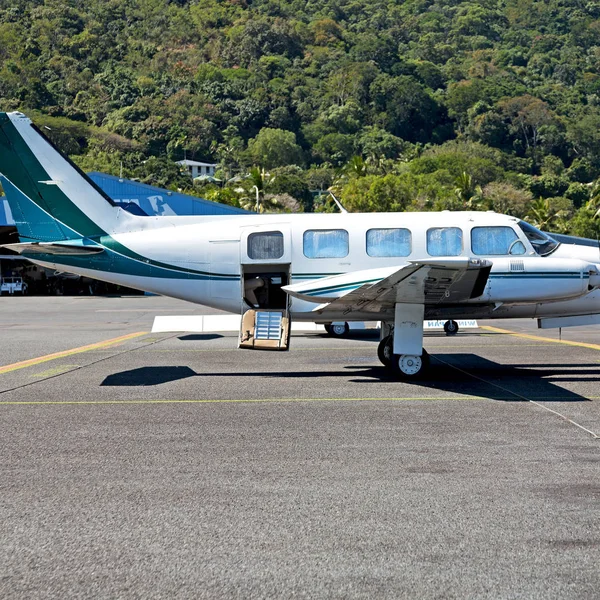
468	194
356	166
260	180
593	204
544	217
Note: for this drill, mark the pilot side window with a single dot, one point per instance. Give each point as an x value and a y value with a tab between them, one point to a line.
388	242
487	241
326	243
267	245
444	241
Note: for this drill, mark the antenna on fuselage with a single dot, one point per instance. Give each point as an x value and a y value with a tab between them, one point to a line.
337	202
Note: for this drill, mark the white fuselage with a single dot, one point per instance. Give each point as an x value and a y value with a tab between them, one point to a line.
522	285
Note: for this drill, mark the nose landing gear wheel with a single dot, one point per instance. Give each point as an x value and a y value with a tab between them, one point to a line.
451	327
385	351
410	366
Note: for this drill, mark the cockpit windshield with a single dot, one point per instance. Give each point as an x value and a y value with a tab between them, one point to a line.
542	243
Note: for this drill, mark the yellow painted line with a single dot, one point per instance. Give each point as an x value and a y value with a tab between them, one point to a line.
541	339
274	400
97	346
55	371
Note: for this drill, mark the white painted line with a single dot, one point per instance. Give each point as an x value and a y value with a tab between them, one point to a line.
212	323
595	435
463	324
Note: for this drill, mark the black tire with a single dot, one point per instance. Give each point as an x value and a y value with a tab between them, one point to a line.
327	328
385	351
451	327
406	366
339	330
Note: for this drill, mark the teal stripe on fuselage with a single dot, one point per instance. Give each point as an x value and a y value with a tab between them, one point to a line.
110	243
110	261
535	276
520	276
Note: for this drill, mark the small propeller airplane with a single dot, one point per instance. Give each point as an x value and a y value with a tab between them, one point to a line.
397	268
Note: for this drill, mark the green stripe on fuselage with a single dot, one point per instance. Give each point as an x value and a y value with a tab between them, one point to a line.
519	276
111	261
110	243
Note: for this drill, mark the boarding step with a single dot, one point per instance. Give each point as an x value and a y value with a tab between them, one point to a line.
268	325
265	330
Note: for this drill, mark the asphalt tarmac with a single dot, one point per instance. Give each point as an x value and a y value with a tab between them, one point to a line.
138	465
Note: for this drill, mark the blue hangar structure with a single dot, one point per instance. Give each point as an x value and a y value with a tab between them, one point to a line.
157	201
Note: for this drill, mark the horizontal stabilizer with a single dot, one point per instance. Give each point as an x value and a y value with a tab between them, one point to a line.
54	248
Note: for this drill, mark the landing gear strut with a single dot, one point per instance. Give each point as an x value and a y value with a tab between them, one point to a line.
401	346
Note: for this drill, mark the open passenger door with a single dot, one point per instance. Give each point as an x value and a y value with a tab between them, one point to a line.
265	262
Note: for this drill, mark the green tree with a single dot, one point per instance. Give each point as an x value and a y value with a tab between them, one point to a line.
356	167
543	215
505	198
469	194
376	143
336	148
373	193
408	110
275	148
584	135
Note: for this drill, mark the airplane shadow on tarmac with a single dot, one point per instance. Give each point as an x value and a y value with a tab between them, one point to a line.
465	374
469	374
147	376
199	337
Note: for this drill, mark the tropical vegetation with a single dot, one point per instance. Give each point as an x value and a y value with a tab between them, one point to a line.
394	105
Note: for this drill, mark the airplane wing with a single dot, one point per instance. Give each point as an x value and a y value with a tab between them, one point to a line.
53	248
428	282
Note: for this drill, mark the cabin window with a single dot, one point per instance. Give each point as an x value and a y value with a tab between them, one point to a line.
326	243
267	245
444	241
495	241
388	242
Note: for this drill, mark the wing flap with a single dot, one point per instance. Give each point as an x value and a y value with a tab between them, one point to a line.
429	282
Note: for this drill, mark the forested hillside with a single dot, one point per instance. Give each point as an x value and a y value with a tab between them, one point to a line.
400	105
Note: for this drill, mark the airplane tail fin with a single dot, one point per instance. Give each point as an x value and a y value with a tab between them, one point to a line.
50	197
33	223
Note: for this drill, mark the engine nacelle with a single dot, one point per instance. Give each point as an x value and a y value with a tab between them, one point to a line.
540	279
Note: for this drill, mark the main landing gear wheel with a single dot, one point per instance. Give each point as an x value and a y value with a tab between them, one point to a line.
410	366
337	329
451	327
385	350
